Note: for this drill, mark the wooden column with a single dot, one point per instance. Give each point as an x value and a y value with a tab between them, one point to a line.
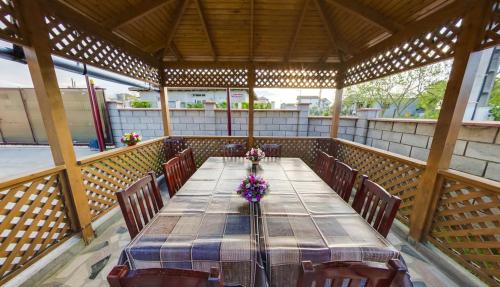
336	108
54	118
165	111
251	95
455	100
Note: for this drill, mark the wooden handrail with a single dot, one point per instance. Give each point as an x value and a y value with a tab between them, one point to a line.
388	154
30	177
114	152
472	180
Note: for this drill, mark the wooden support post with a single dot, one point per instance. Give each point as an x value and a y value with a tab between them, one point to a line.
337	103
228	109
455	100
251	96
165	111
54	118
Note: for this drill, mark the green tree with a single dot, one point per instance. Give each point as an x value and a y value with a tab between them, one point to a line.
430	100
495	100
198	105
221	105
140	104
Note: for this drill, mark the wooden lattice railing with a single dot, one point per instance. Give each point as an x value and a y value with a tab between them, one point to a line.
34	218
466	223
207	146
108	172
398	174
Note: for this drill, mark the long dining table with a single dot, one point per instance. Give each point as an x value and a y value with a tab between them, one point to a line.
301	218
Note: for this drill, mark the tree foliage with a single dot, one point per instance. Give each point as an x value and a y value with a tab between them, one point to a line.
495	100
431	99
398	91
140	104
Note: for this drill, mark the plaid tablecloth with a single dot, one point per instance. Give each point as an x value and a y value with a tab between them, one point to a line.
206	224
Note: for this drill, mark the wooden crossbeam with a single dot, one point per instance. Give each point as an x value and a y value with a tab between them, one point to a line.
205	28
138	11
179	12
336	41
371	15
69	15
176	52
297	30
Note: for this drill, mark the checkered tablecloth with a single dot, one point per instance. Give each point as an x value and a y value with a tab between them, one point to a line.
206	224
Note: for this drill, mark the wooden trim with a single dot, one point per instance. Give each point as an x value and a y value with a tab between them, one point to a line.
455	101
369	14
71	16
140	10
95	157
472	180
205	29
394	156
30	176
295	35
247	64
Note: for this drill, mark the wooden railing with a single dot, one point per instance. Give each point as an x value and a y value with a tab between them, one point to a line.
106	173
398	174
35	217
466	223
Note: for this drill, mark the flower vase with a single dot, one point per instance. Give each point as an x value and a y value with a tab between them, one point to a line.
255	163
131	144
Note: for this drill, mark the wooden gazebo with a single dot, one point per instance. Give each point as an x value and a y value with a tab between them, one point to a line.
252	44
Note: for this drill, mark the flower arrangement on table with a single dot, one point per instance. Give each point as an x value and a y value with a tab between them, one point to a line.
255	155
253	188
131	139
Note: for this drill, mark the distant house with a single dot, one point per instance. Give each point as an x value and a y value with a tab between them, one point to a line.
314	101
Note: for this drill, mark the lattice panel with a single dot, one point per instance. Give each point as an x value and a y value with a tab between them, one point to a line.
33	219
492	36
398	177
206	77
466	226
426	48
295	78
205	147
9	29
301	147
104	177
74	43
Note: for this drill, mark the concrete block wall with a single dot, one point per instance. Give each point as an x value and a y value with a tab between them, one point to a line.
320	127
477	150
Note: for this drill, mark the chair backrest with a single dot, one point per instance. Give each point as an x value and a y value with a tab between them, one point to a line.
139	203
121	276
351	273
271	150
376	205
172	170
173	146
187	163
342	179
234	150
323	165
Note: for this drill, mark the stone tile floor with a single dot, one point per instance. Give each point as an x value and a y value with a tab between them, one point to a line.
91	265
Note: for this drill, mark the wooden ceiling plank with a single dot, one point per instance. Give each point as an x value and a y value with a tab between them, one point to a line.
371	15
179	12
297	30
138	11
336	41
68	15
252	27
205	28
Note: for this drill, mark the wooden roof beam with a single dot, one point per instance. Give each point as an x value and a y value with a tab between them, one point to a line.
297	30
179	12
369	14
205	28
138	11
337	43
71	16
176	52
252	23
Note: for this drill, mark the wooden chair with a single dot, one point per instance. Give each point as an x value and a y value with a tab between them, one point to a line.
342	179
121	276
234	150
352	274
139	203
376	205
323	166
271	150
188	165
173	146
173	175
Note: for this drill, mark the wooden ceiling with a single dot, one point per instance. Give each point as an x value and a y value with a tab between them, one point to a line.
305	31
